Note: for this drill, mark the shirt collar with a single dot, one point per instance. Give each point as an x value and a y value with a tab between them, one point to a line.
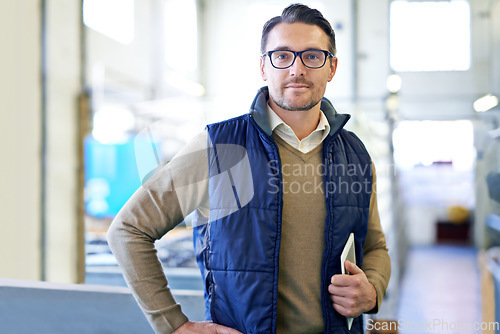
275	121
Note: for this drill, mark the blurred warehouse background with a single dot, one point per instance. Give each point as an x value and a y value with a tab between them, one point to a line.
95	94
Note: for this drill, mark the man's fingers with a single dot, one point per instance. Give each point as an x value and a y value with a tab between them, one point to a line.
205	327
345	311
340	309
226	330
343	280
345	306
353	292
341	291
352	268
348	280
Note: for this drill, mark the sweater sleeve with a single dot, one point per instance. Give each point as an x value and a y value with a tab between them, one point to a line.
163	202
376	260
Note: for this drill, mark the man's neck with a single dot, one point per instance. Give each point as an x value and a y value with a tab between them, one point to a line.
302	122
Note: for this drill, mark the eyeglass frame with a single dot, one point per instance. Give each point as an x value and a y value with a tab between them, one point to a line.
295	54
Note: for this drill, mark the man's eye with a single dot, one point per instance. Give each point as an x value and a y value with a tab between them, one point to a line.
312	56
282	56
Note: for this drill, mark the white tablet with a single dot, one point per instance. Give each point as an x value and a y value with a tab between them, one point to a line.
349	254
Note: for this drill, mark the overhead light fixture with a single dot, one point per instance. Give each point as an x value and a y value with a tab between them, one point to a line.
393	83
485	103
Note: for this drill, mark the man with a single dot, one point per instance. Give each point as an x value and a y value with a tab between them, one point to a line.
277	192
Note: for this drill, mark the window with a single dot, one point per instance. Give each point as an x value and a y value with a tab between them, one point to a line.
181	46
430	35
181	35
112	18
427	143
435	166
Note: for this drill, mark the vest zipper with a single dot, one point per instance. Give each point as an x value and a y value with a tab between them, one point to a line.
329	221
279	224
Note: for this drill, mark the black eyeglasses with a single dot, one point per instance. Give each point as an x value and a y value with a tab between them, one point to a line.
312	58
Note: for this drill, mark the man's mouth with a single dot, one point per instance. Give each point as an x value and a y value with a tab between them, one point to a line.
296	84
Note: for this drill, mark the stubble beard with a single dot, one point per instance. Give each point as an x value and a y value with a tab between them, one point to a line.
284	105
281	102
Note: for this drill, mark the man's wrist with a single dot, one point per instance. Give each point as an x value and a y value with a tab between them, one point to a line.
373	299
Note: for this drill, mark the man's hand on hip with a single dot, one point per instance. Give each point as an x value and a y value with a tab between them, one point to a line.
207	327
352	294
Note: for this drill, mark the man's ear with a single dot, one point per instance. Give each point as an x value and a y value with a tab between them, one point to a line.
262	69
333	68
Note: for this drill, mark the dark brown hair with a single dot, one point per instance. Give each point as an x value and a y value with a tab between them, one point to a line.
299	13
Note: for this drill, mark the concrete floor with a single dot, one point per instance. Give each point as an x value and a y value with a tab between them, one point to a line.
440	291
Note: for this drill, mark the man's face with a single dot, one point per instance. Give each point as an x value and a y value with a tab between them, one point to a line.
297	87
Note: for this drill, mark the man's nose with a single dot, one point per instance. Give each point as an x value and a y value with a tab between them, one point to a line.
298	68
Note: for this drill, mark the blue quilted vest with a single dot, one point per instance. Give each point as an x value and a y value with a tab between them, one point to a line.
238	248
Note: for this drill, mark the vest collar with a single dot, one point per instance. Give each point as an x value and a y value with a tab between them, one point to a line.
258	111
